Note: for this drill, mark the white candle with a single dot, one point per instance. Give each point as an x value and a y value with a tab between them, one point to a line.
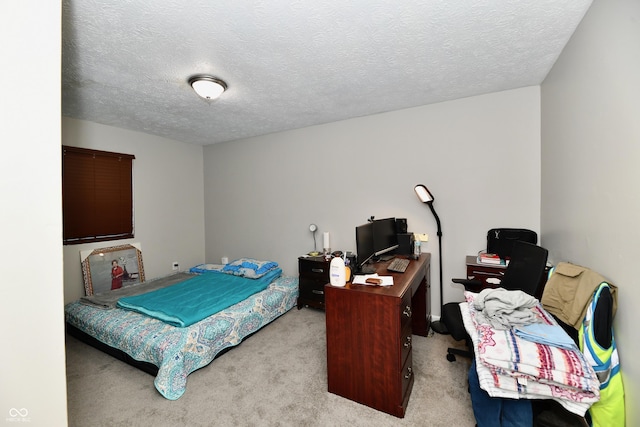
325	237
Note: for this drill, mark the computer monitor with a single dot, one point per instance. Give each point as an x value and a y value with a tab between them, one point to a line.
364	245
374	239
385	237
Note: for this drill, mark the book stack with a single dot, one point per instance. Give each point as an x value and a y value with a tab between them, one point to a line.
487	258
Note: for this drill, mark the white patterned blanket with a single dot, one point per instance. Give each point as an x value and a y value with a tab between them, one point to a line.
511	367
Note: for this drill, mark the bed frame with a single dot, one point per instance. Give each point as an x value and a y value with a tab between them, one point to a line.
147	367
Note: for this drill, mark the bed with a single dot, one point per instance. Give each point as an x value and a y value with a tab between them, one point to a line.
169	351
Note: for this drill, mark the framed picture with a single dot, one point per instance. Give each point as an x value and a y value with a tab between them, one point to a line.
106	269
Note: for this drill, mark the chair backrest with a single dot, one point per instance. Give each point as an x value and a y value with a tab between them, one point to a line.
526	268
500	241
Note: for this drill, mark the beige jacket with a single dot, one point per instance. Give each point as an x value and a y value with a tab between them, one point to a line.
569	291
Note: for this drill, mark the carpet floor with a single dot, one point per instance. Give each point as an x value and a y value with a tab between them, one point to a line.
277	377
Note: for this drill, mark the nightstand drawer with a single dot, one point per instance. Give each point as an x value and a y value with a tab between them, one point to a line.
312	289
318	270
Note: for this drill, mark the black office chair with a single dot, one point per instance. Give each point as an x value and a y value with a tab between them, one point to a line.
525	272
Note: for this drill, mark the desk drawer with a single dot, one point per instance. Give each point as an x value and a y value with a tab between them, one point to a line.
407	376
481	273
405	310
405	337
406	343
473	270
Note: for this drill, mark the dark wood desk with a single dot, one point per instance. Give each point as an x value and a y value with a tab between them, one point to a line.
369	332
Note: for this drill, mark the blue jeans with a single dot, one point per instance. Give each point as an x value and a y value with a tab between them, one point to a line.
496	411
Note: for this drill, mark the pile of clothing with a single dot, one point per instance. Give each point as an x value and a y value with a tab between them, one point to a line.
522	352
517	355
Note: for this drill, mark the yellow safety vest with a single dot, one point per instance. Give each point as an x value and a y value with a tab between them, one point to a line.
609	410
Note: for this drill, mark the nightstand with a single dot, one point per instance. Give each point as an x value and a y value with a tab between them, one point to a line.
482	272
314	274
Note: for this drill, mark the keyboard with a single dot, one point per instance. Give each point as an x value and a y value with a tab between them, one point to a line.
399	265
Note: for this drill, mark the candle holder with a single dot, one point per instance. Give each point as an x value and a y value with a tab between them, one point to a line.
325	244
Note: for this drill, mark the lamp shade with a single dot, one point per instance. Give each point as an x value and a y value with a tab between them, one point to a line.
423	194
207	87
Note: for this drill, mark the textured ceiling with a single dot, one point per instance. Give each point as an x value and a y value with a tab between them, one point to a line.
291	64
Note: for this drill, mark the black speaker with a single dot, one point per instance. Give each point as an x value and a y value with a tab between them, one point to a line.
405	244
401	225
352	259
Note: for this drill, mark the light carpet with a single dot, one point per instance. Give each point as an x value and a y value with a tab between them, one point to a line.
277	377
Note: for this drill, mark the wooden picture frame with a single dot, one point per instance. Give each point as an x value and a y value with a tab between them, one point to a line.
105	269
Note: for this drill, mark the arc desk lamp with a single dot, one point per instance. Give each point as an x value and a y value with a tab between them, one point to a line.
426	197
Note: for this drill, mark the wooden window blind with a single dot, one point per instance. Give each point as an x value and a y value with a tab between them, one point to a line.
97	195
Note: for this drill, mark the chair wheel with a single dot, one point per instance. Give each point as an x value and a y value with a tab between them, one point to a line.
451	357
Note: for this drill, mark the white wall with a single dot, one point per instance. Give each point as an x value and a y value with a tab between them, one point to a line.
479	156
591	153
32	371
168	193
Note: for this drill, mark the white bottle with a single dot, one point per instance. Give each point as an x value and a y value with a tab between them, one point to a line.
416	248
337	272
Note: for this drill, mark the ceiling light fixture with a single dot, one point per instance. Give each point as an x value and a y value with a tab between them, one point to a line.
208	87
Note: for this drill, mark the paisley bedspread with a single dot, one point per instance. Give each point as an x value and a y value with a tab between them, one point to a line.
179	351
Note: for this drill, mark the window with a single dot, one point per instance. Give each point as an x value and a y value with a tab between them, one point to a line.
97	195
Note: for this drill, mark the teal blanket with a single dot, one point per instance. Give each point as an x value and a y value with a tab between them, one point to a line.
188	302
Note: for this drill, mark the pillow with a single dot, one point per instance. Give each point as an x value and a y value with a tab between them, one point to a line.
206	268
249	268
